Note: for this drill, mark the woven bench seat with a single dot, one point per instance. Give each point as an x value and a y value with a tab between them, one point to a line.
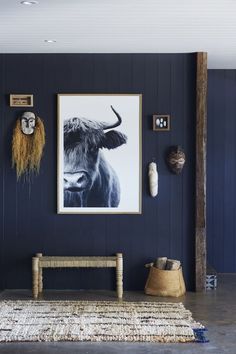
39	262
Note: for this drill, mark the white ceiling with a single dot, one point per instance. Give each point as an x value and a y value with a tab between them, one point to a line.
122	26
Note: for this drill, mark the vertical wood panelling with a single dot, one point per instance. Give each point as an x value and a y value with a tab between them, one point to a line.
164	140
166	226
176	134
229	176
221	170
189	177
2	113
210	169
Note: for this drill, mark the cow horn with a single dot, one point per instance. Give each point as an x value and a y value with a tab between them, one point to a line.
109	126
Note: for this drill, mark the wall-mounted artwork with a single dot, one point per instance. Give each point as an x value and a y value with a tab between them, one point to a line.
161	122
99	153
21	100
28	142
175	159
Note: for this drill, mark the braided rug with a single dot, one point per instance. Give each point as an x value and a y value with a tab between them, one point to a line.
95	321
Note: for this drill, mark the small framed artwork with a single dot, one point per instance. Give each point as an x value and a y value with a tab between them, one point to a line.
161	122
99	153
21	100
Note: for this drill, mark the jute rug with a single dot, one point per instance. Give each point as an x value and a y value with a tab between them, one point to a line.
95	321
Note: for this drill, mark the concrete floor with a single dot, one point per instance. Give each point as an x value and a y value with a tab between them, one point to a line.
215	309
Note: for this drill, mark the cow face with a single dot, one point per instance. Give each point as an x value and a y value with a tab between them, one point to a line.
83	140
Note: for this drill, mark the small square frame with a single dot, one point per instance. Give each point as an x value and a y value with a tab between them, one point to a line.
25	100
164	122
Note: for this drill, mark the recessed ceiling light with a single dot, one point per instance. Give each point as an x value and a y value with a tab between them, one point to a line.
29	2
49	41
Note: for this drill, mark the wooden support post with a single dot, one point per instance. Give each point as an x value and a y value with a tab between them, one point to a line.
35	276
40	277
119	275
201	138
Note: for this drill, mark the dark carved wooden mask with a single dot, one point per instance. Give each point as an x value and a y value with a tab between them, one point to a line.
175	159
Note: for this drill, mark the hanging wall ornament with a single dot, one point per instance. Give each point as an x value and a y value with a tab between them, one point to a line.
27	144
153	179
175	159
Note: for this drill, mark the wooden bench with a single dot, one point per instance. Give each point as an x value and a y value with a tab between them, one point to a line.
39	262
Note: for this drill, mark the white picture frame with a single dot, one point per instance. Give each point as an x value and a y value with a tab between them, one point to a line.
99	153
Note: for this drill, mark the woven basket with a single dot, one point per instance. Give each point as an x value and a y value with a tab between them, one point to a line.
165	282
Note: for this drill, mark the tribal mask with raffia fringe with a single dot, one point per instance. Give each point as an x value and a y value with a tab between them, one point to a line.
27	144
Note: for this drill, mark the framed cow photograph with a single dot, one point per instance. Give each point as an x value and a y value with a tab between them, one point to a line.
99	153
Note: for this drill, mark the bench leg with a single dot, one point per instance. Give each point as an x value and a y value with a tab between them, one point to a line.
40	278
35	277
119	275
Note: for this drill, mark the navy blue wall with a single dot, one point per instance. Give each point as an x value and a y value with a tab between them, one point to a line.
28	219
221	170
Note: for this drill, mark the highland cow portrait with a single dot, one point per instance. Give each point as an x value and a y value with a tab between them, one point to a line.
89	180
99	154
